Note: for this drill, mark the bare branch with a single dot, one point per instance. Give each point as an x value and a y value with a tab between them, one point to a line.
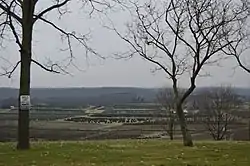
11	10
82	40
14	29
53	7
10	73
244	67
5	7
51	69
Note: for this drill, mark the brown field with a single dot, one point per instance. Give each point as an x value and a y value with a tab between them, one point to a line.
54	129
57	130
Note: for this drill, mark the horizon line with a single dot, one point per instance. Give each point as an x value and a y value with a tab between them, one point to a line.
92	87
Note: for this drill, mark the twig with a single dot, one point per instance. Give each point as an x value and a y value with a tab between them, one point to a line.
9	73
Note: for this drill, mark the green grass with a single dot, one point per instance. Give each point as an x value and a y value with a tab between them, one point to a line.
128	153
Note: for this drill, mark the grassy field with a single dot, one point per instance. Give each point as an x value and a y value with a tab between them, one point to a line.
127	153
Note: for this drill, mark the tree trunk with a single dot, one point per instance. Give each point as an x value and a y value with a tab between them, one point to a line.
187	138
171	135
23	118
24	90
171	128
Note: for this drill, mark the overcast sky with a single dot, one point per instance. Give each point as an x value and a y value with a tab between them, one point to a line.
97	72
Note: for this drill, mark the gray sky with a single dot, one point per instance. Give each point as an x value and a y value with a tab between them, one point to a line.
109	72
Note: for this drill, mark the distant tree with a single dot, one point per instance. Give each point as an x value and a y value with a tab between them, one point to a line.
219	103
165	97
18	17
181	37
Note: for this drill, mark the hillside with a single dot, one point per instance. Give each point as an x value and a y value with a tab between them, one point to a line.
91	96
81	96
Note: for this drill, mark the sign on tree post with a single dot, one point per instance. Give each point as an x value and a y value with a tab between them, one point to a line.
25	103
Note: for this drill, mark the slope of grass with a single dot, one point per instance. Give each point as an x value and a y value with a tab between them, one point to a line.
127	153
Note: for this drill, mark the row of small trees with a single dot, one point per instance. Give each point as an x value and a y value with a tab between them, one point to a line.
180	37
216	104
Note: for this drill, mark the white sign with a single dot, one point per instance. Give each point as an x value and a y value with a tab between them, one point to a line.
25	102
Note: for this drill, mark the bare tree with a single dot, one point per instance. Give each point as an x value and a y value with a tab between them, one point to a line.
165	97
181	37
18	18
219	104
240	31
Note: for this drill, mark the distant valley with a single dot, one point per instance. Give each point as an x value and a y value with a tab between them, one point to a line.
77	97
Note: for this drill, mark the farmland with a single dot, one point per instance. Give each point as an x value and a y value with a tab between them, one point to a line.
77	125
